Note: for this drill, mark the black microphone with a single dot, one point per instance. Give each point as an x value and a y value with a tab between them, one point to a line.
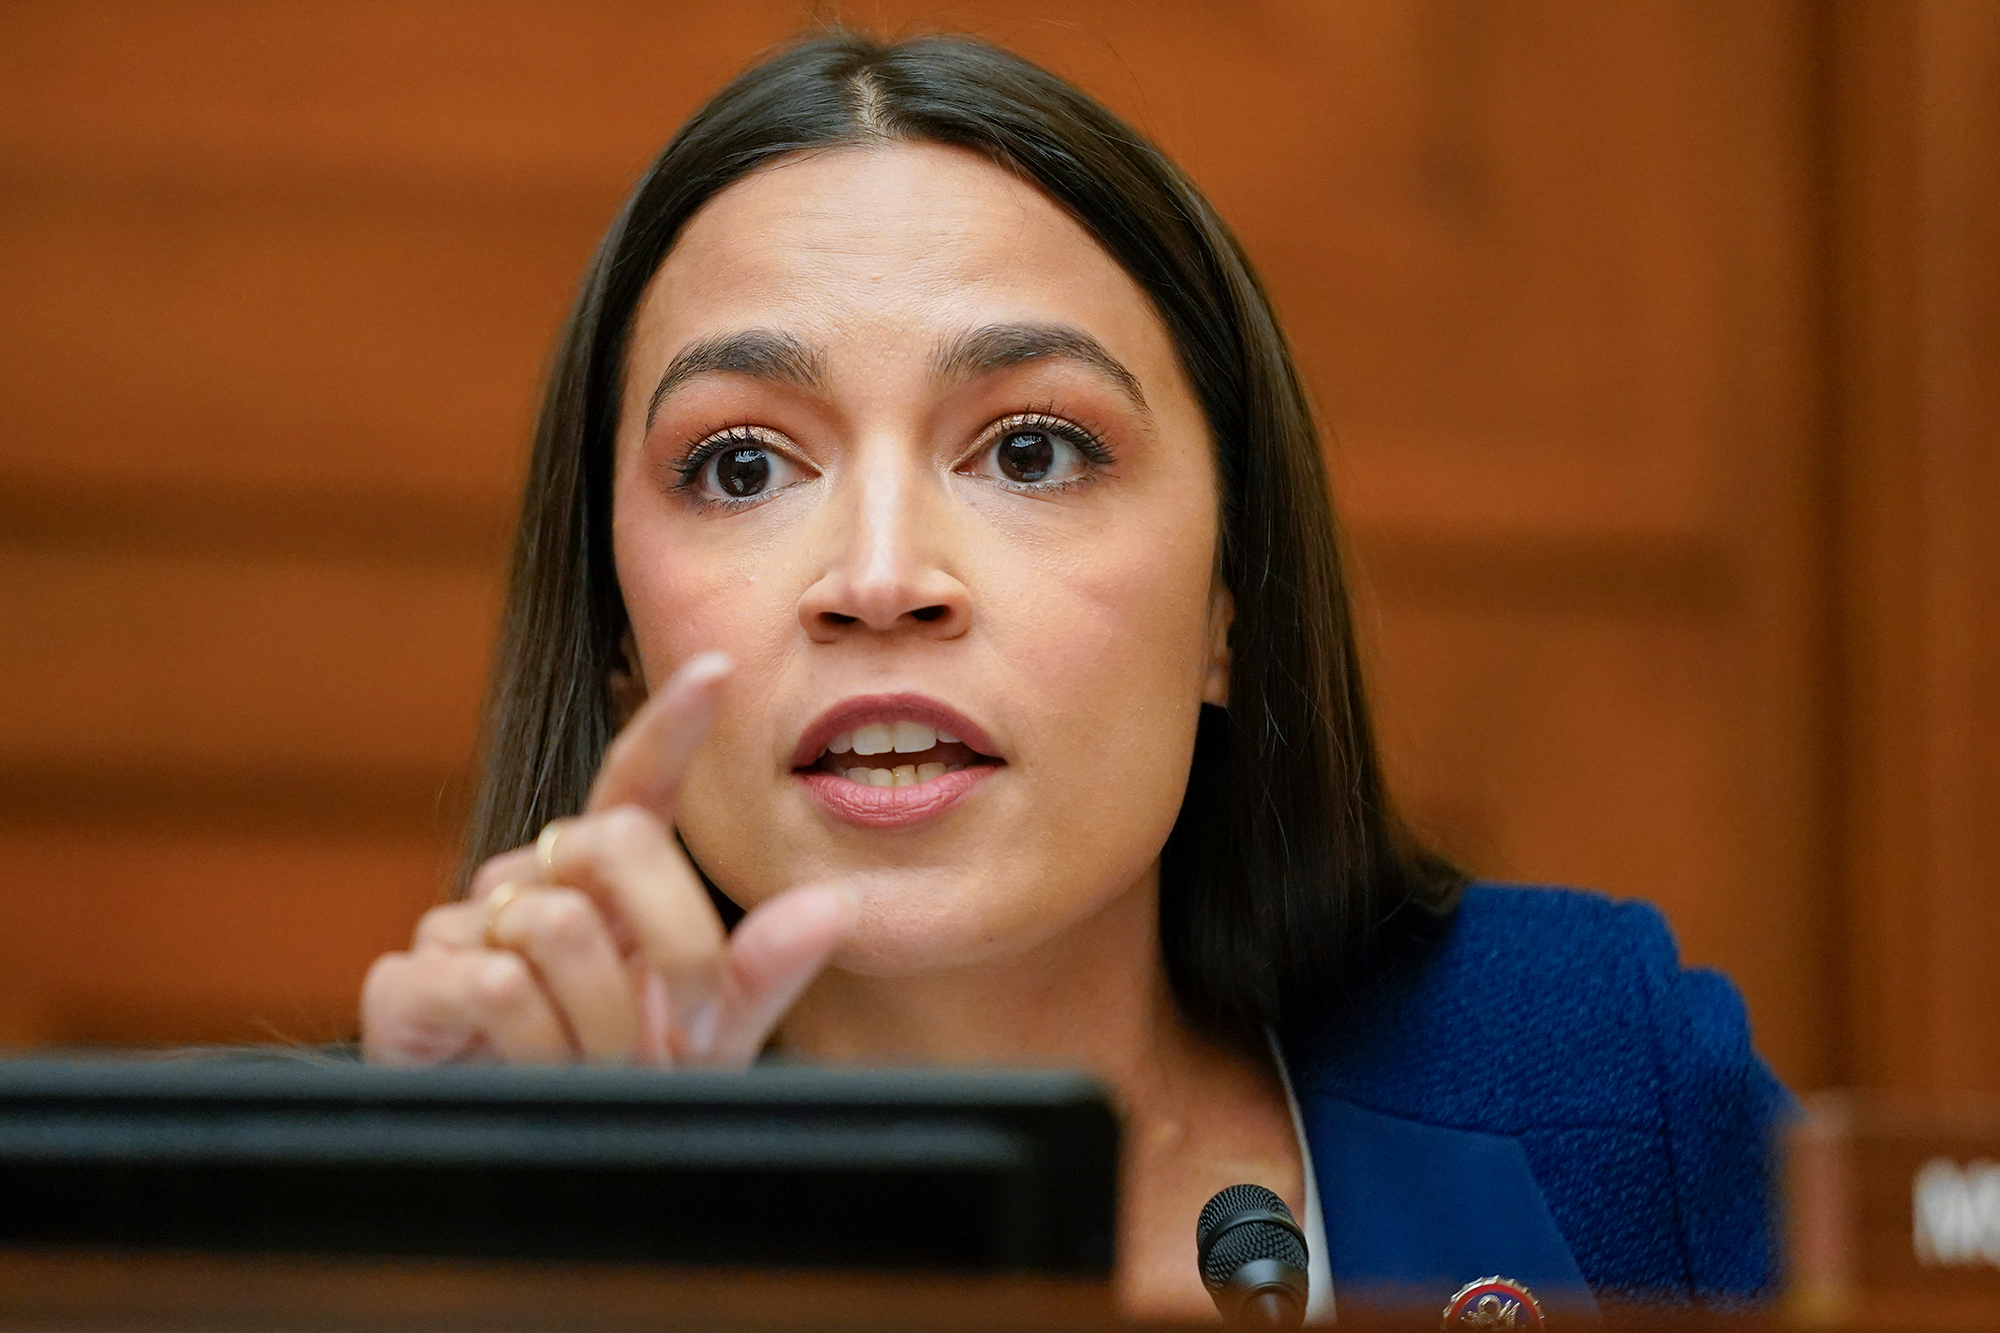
1253	1258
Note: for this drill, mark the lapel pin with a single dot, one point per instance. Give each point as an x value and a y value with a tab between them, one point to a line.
1490	1305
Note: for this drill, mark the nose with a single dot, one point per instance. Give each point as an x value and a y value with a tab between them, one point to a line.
887	573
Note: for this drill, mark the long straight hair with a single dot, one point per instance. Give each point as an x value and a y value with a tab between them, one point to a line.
1287	874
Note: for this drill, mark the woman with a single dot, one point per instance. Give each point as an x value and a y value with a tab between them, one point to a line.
926	500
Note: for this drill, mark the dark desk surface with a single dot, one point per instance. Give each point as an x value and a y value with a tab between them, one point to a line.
82	1291
97	1293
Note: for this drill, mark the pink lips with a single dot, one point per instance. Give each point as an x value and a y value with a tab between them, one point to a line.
893	807
889	807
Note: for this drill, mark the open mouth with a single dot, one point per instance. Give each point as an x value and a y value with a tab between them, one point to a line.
896	754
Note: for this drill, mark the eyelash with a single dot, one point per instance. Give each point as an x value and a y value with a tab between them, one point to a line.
697	452
1079	436
1088	442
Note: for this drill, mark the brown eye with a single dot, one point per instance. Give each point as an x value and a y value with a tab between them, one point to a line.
1025	455
1037	454
741	473
740	467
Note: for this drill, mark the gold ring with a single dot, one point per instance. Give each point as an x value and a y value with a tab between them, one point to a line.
496	903
545	848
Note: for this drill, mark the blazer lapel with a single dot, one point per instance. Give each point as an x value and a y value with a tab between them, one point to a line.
1415	1211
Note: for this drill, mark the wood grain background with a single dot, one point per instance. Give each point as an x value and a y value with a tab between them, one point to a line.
1656	342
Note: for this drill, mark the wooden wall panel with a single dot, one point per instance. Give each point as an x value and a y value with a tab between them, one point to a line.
259	329
1574	397
171	935
1917	169
253	664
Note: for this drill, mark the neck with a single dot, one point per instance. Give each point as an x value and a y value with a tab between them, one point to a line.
1022	1011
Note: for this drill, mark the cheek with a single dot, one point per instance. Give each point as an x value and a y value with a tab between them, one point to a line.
1111	639
686	596
1118	608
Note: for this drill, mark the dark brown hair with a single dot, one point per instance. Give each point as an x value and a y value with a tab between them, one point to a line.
1286	873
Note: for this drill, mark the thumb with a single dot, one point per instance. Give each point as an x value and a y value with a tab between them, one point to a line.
774	954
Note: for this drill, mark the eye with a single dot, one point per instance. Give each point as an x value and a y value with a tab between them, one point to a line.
1037	452
1026	455
737	467
742	473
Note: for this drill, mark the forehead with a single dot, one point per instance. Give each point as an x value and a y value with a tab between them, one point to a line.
876	246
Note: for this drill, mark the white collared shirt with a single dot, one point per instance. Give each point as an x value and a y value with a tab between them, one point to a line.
1319	1269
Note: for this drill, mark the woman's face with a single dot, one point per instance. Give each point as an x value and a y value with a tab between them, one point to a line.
900	438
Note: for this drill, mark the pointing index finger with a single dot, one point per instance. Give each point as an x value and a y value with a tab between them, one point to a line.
644	765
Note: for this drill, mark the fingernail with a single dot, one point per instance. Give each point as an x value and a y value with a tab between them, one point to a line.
703	669
702	1025
655	1022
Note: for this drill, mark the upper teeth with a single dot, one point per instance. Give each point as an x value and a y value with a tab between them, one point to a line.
882	737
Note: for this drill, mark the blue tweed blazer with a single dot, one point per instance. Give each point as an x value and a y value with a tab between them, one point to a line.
1546	1095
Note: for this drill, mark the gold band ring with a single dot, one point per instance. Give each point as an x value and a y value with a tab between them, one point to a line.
545	848
496	903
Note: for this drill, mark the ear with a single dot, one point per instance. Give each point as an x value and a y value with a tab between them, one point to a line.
1221	619
626	682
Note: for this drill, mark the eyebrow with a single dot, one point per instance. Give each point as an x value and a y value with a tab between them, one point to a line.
759	353
1000	346
769	355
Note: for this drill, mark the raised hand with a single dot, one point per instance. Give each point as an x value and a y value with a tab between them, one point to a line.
598	942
